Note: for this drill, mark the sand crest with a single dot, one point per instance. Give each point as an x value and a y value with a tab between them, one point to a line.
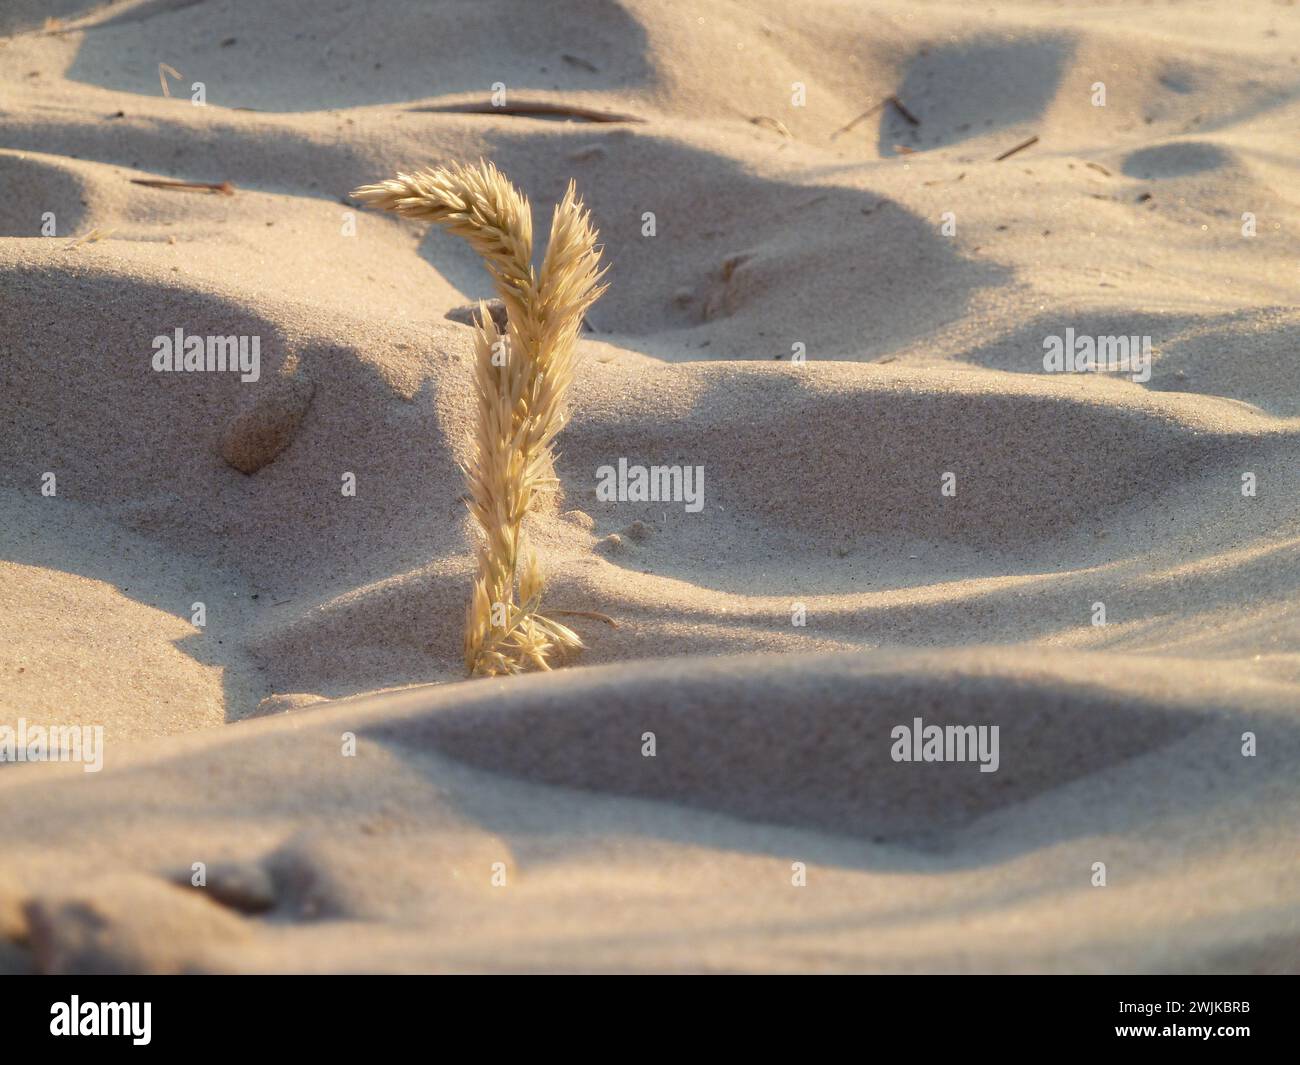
904	520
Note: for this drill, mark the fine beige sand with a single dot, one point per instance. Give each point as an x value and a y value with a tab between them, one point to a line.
516	824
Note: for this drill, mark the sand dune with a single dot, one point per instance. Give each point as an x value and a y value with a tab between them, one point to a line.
391	848
779	231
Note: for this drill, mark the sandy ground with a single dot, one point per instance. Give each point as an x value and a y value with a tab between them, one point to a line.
419	822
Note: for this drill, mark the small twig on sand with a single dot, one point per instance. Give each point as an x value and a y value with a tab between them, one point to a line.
587	614
89	238
865	114
1018	148
952	182
223	187
771	123
532	109
890	99
1098	167
898	106
582	64
163	70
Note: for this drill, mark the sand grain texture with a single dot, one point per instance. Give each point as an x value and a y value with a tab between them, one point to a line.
330	614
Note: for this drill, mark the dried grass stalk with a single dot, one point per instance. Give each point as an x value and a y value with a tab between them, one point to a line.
521	378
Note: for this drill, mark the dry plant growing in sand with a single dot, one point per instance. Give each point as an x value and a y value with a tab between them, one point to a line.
521	379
